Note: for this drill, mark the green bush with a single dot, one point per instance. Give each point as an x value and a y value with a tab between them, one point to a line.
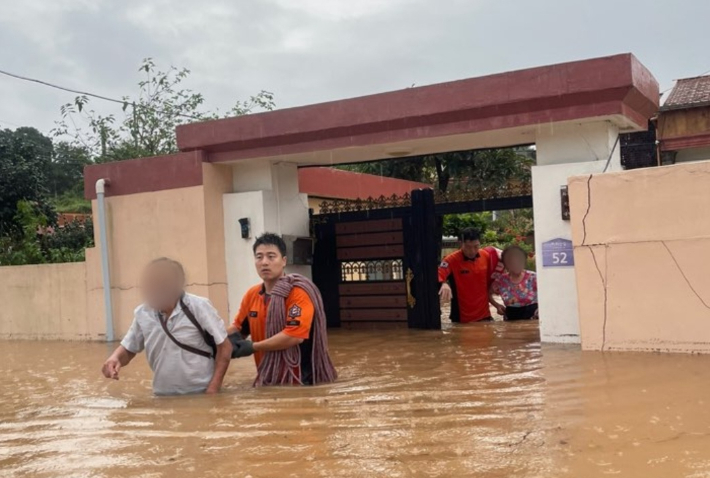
41	242
455	223
72	202
74	236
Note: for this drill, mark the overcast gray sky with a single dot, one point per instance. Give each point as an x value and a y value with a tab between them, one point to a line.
308	51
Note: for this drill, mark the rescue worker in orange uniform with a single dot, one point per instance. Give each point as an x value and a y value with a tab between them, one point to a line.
270	258
470	269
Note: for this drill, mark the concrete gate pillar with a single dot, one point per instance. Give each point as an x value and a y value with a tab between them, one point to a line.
266	194
564	151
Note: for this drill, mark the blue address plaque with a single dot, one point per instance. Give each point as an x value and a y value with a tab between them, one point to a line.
557	253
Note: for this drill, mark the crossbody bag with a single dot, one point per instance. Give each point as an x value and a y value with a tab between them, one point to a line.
209	340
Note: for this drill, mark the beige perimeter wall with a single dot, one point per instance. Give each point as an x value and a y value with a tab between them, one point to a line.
65	301
45	301
642	256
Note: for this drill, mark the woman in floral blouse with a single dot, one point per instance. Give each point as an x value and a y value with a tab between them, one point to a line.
517	287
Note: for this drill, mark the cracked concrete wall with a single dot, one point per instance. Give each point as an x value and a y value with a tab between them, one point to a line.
557	291
642	252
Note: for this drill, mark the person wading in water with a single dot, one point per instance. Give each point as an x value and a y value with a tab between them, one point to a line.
517	287
284	316
184	338
470	268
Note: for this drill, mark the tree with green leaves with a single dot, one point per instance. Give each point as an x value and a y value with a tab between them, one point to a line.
66	171
486	168
37	177
147	127
454	224
25	159
65	178
451	171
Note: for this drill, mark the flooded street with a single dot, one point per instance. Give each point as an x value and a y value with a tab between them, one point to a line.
484	401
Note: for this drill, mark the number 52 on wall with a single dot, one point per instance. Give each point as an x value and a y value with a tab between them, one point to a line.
557	253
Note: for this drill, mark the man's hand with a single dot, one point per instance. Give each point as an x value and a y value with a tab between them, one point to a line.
111	367
241	347
119	358
211	390
445	292
500	308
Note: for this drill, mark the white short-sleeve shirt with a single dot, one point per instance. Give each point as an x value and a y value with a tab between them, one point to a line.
175	370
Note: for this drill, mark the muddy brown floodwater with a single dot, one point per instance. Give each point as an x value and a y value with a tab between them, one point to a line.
480	401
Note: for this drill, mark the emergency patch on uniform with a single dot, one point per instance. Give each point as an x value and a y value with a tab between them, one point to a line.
444	265
253	313
294	311
293	323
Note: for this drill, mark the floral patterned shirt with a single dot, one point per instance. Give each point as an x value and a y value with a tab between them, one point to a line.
517	295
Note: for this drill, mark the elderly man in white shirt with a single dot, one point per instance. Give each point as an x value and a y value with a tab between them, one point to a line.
184	338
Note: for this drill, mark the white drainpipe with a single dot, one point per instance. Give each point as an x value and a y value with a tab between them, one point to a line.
100	187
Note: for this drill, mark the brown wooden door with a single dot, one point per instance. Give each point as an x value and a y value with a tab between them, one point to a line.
372	288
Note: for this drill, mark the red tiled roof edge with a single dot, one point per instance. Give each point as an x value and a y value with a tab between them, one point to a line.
339	184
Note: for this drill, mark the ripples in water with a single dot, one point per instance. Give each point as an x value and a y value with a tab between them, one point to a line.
485	400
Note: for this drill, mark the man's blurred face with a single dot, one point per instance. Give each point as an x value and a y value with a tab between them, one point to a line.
270	264
162	286
471	248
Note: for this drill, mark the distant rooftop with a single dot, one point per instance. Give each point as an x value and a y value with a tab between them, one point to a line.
689	93
339	184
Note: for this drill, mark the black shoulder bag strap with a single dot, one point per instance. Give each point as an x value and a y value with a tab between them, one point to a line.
207	337
209	340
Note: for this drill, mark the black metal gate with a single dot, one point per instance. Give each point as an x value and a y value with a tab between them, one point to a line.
375	260
374	263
